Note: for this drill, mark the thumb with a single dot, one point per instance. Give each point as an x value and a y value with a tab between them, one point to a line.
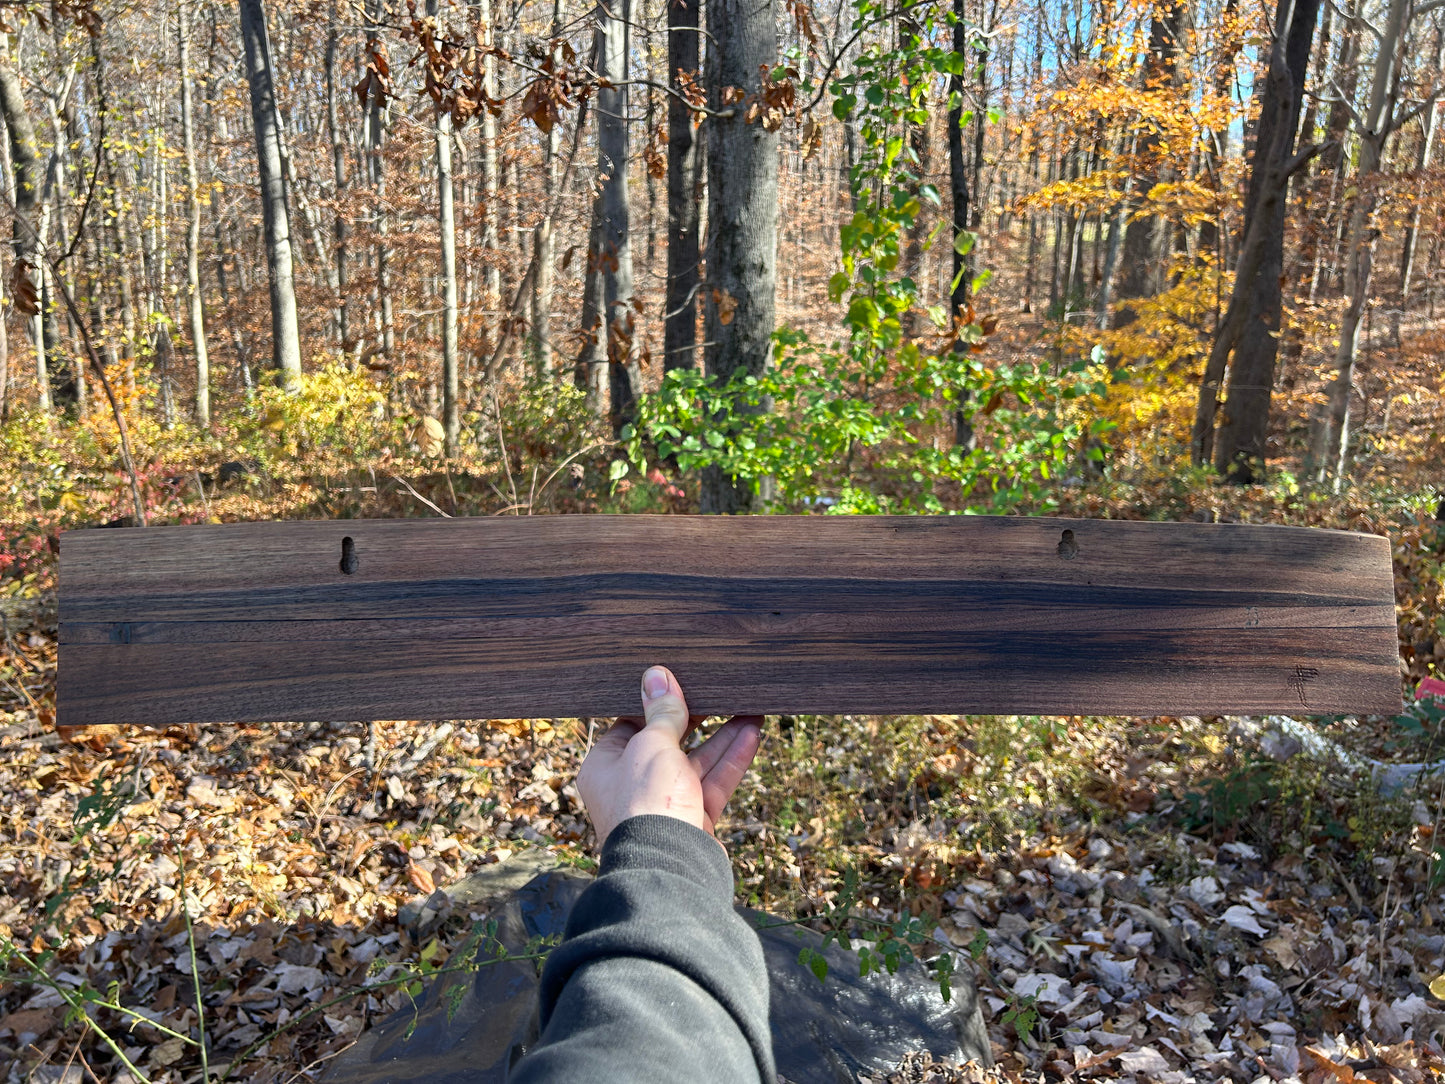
662	703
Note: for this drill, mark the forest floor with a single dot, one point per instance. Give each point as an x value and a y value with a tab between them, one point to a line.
1147	899
1168	899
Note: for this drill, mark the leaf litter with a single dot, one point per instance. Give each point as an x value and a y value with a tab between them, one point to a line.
1115	945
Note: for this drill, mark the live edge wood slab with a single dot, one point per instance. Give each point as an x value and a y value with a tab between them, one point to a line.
559	615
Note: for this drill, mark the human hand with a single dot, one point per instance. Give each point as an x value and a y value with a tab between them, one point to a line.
638	768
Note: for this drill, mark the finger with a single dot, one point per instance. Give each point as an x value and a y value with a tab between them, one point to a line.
615	740
705	757
722	780
663	704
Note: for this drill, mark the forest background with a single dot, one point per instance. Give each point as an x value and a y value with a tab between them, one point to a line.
1131	258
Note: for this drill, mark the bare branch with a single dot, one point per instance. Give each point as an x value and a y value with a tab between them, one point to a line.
1341	99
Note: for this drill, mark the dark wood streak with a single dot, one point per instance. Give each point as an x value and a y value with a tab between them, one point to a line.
558	616
651	594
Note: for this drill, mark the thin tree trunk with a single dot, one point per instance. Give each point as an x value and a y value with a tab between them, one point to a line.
338	169
591	372
543	280
446	222
1146	237
648	124
1328	436
25	164
193	225
679	334
492	278
375	122
1428	124
122	275
614	251
285	334
962	281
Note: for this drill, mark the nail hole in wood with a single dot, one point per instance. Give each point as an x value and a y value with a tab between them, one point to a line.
1068	548
348	555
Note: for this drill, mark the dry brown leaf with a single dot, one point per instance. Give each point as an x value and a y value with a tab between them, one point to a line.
22	290
430	436
726	305
420	877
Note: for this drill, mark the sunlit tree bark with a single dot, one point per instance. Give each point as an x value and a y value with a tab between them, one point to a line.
285	334
194	305
446	225
742	176
679	337
25	165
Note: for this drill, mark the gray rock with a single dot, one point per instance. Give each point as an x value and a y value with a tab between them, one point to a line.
473	1026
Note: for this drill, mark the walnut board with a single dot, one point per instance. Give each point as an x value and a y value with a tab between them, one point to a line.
557	616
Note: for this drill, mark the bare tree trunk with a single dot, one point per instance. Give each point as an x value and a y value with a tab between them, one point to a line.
1328	427
1112	248
193	225
1428	122
1250	328
25	163
492	280
285	335
963	434
614	252
216	128
375	122
338	169
742	168
679	334
66	378
446	222
1334	161
542	281
122	260
649	120
591	373
1145	261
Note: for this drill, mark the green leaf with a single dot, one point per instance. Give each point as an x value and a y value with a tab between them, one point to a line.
964	241
815	962
617	471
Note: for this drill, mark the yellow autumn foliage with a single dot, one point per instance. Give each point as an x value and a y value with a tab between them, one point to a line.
1159	357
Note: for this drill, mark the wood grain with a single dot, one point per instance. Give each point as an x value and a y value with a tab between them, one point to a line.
559	615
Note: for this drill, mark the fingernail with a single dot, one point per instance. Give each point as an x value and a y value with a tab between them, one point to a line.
654	683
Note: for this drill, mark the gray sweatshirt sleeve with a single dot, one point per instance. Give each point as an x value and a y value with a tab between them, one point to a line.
657	978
